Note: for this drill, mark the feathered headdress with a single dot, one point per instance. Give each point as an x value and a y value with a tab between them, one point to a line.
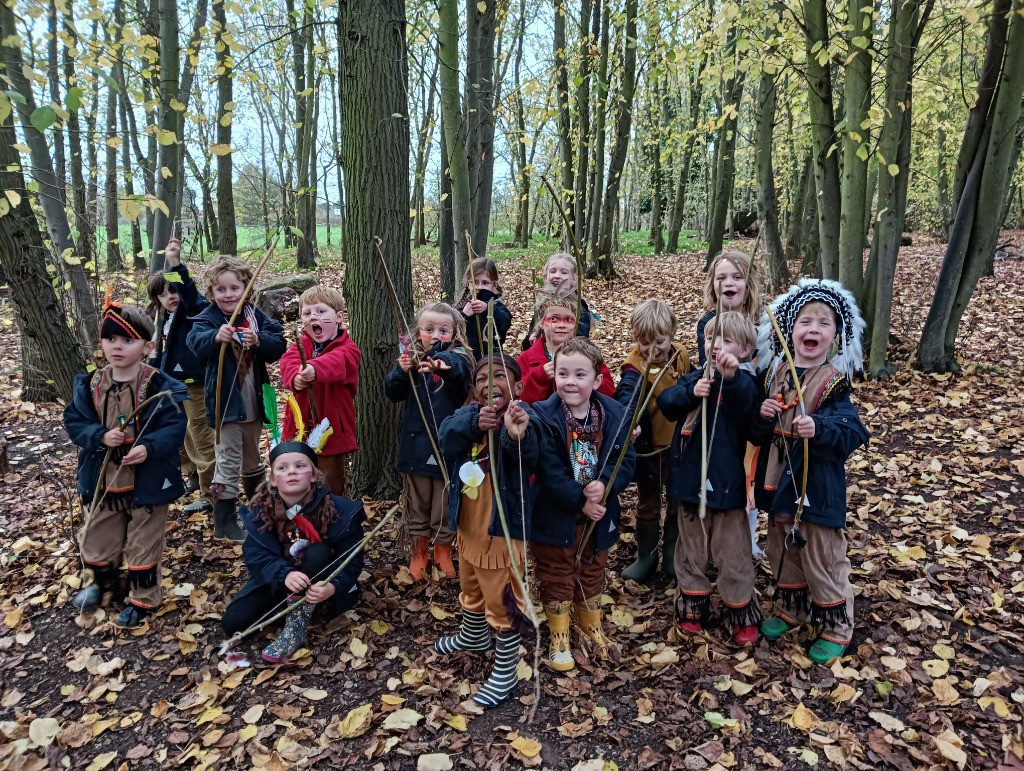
849	357
318	436
113	323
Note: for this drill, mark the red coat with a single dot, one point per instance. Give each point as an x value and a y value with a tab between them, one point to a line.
337	373
537	386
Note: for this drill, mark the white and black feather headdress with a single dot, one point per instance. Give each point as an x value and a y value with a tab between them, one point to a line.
849	357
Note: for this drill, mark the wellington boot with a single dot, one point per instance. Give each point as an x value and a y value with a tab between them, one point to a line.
504	676
443	560
420	557
646	553
225	520
559	651
588	621
252	481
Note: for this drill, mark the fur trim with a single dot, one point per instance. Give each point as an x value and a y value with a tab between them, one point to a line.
849	357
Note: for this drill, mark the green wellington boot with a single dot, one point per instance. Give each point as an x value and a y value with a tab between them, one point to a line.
646	553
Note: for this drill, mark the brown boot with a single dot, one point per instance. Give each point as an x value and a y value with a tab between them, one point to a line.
443	559
420	557
588	620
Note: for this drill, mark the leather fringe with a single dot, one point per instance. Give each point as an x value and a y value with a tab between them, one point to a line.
695	608
744	615
829	617
142	578
516	617
794	599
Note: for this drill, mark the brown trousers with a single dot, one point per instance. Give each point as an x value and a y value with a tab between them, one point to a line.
338	472
133	540
238	453
425	503
483	590
728	536
197	454
649	494
813	584
556	572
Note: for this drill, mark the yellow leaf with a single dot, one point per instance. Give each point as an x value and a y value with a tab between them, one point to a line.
358	648
379	627
13	618
221	149
458	722
1001	707
527	747
842	692
944	651
166	137
893	169
949	746
402	720
42	730
439	613
936	667
248	732
802	718
481	6
13	196
315	694
356	722
209	714
101	761
945	693
390	700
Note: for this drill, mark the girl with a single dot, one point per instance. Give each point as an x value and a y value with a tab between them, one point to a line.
560	274
485	561
484	275
256	341
298	532
734	272
437	363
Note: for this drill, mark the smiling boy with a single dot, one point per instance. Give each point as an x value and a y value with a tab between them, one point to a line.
331	375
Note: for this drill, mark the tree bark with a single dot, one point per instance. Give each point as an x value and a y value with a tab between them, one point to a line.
596	182
225	113
726	171
778	271
561	52
60	164
375	150
696	98
579	218
454	127
79	187
115	259
168	191
424	141
479	114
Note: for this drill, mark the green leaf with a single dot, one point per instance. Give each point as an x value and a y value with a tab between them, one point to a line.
73	98
717	720
42	118
173	277
16	96
884	688
893	169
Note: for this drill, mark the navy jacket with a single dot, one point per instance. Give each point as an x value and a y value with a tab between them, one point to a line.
502	322
201	341
702	324
726	448
172	354
459	434
441	393
558	498
158	478
268	566
838	431
582	329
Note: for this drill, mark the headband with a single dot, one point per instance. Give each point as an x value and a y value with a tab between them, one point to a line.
283	448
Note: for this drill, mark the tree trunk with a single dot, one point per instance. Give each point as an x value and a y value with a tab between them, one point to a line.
424	141
596	182
623	120
373	91
778	271
79	187
696	98
479	114
225	113
579	218
23	258
522	233
726	173
115	260
797	219
561	52
823	130
60	164
168	192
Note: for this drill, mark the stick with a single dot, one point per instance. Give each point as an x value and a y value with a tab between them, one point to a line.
472	289
708	375
218	417
314	410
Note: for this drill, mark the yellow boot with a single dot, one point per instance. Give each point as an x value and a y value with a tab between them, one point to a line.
588	619
560	651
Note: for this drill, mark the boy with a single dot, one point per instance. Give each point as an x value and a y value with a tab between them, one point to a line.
330	376
653	325
143	475
254	342
731	401
557	313
174	295
582	433
806	544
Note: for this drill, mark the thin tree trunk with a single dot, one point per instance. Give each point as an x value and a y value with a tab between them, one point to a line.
79	187
479	115
561	52
600	126
778	271
579	220
454	129
168	191
225	114
115	260
60	164
726	172
424	141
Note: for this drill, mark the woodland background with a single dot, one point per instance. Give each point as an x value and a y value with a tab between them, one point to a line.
876	143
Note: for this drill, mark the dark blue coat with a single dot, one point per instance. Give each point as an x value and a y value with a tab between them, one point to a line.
557	497
838	431
441	393
172	354
201	341
727	446
702	324
162	425
582	329
268	566
502	322
459	434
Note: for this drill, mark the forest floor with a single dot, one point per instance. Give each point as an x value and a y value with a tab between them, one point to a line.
933	679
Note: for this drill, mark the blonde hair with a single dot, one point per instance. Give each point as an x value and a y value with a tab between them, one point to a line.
327	295
560	297
565	257
484	265
751	306
227	263
442	309
581	345
734	325
652	318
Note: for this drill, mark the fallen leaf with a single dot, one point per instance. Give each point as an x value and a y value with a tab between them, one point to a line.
42	731
356	722
435	761
402	720
527	747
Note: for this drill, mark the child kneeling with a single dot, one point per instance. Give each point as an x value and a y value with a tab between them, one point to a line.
298	532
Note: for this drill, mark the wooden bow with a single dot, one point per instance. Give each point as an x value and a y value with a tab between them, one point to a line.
709	373
314	408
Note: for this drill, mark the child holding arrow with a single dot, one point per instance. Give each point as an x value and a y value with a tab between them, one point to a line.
322	369
807	427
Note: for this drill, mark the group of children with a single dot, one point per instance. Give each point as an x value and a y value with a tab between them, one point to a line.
496	453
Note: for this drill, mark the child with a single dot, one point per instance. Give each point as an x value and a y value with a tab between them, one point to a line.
811	314
255	341
560	274
143	475
173	294
731	404
653	325
299	532
485	562
438	365
484	274
582	433
732	271
557	314
331	374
